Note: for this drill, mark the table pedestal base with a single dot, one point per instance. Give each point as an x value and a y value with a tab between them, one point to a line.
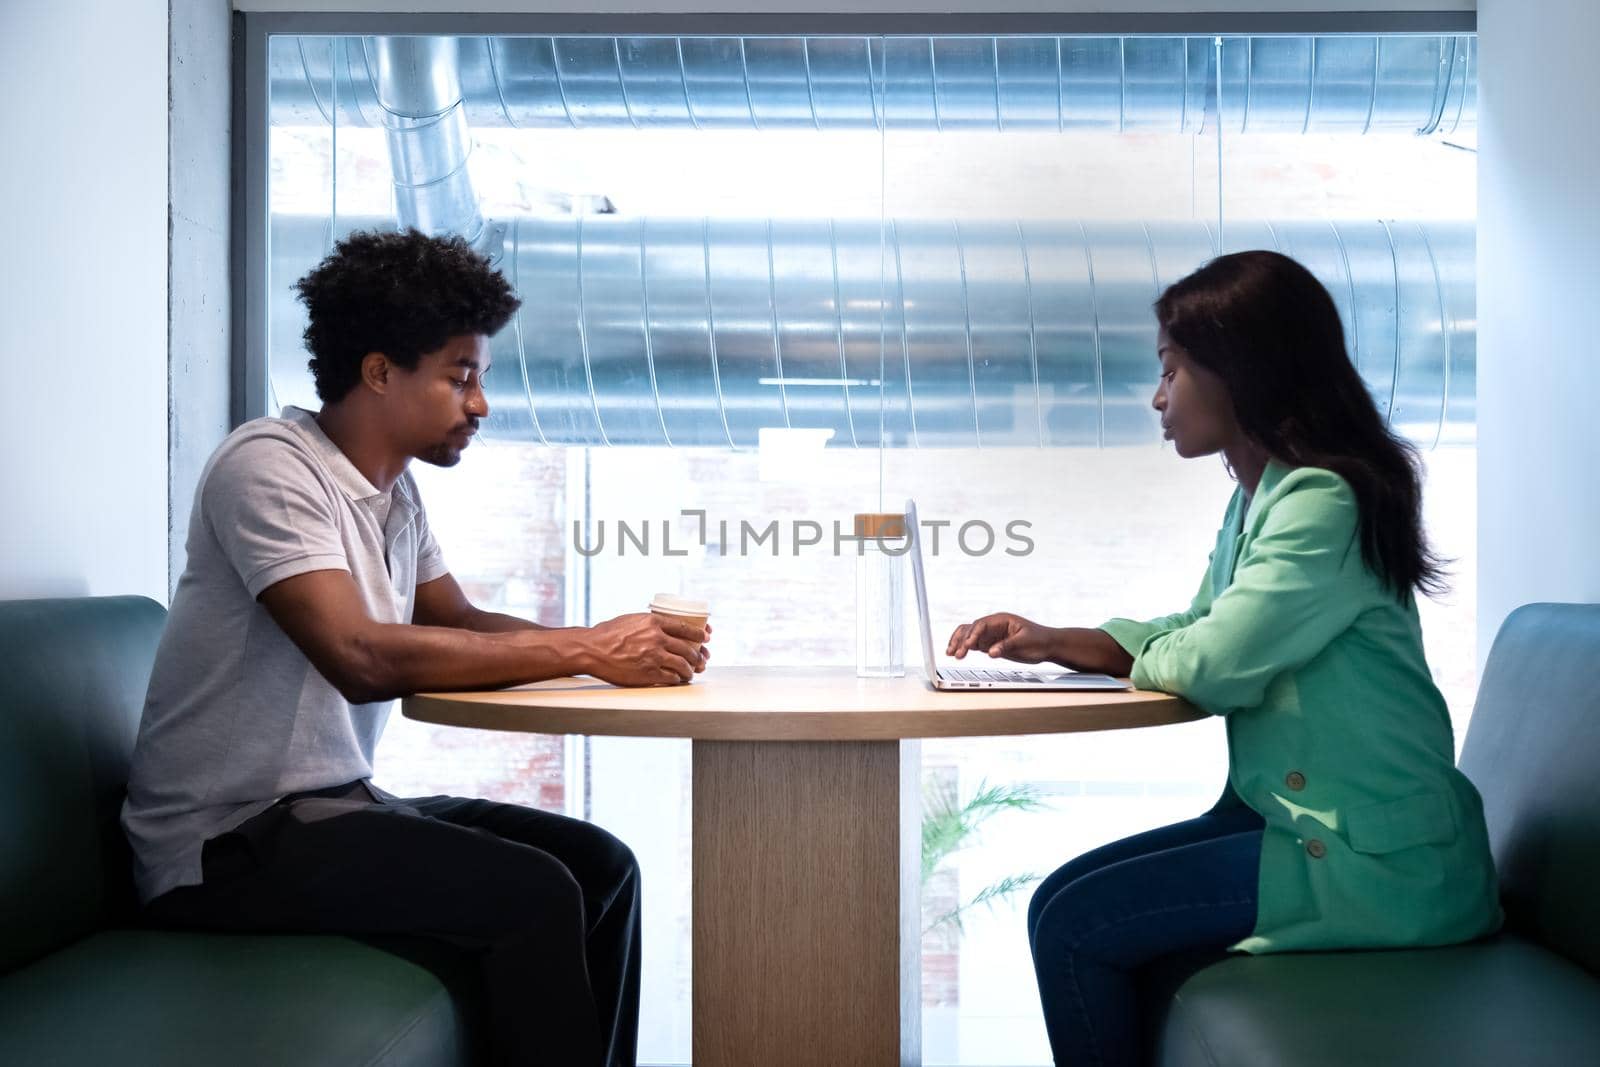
807	917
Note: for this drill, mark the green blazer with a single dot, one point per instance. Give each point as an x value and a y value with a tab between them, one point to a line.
1337	735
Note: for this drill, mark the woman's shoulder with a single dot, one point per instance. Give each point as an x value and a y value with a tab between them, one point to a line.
1310	484
1309	495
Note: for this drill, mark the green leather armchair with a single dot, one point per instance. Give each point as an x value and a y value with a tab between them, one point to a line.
80	980
1527	997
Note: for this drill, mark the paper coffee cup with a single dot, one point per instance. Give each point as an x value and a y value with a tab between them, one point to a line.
696	611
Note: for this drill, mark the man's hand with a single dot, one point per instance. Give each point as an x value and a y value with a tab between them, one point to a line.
1006	636
647	649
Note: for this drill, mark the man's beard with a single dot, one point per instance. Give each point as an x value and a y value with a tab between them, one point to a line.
441	455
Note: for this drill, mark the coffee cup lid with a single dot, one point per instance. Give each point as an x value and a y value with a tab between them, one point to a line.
678	605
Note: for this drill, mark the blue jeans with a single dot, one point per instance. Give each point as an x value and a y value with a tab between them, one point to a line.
1182	889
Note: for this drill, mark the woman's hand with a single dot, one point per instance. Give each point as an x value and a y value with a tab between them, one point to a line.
1006	636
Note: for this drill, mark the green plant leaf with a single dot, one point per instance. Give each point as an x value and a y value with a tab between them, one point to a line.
988	897
949	826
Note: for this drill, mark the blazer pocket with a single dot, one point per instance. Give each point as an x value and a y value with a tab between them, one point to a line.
1392	825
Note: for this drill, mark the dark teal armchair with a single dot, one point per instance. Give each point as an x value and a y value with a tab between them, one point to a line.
1528	997
80	981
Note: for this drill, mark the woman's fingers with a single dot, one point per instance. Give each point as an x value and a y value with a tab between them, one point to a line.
957	635
1023	641
1002	641
970	637
978	634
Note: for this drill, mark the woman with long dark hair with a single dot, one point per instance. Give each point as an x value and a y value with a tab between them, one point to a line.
1345	823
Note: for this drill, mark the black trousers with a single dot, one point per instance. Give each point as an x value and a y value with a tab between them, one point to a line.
548	905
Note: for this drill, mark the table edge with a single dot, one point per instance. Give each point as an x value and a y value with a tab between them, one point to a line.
443	709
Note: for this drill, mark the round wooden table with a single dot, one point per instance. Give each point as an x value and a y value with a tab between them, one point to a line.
806	835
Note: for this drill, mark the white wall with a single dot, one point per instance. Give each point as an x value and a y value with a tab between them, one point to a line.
83	298
198	326
1538	287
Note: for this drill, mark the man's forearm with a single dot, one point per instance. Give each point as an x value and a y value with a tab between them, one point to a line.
396	659
492	622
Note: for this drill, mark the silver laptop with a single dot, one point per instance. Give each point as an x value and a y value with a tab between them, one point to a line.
979	677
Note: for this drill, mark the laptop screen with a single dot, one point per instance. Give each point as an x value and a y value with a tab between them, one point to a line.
922	589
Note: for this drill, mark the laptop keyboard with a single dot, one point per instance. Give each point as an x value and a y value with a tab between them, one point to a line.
990	676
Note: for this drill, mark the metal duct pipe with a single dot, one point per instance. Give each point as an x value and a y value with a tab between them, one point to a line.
1346	84
913	333
417	91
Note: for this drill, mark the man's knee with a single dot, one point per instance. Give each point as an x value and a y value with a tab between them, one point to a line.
612	857
533	891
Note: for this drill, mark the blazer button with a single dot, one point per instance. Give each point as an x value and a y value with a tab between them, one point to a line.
1316	849
1295	780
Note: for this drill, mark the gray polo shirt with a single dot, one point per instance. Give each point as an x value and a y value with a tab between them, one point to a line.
236	716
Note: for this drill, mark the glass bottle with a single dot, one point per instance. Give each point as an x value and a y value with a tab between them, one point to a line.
880	595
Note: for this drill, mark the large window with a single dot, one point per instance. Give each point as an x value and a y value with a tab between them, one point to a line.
787	279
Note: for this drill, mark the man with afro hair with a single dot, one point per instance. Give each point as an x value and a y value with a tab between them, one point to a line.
314	594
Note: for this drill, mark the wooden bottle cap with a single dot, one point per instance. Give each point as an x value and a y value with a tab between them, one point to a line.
878	525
